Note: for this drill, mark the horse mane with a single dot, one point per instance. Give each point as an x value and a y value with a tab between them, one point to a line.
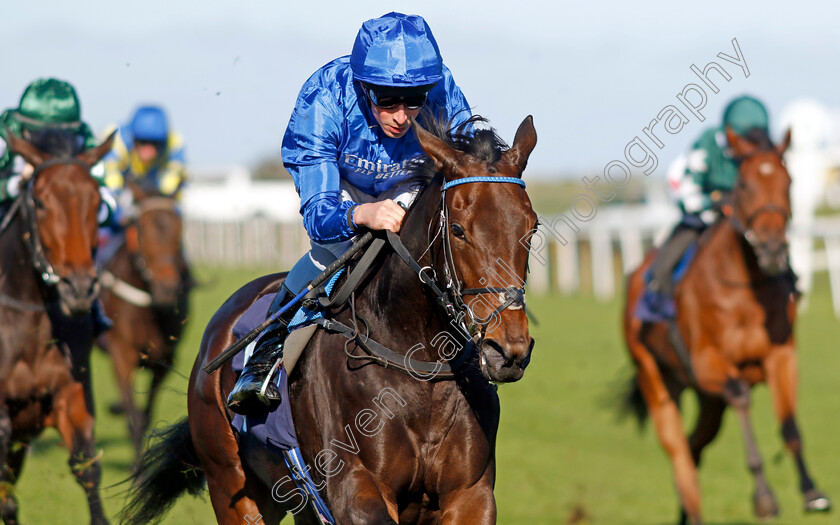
473	136
760	138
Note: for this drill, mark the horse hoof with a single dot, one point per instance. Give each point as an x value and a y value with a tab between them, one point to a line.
816	501
116	408
765	506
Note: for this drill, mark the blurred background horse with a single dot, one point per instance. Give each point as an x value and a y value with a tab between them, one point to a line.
736	308
146	286
48	284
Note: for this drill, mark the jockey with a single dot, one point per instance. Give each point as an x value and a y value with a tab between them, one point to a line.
46	106
706	182
49	106
349	148
149	152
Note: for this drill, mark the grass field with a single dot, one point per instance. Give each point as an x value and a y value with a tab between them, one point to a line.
563	456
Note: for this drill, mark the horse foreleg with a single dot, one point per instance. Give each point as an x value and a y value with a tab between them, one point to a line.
737	394
708	425
74	421
158	375
475	504
8	501
356	498
781	367
666	418
123	355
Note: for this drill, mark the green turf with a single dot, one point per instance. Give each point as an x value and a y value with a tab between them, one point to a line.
562	457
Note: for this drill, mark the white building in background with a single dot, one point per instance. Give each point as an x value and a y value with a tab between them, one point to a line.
809	163
229	194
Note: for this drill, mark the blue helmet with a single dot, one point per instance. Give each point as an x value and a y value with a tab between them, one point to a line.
149	124
396	50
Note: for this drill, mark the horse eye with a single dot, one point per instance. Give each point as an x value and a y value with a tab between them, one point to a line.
457	230
39	203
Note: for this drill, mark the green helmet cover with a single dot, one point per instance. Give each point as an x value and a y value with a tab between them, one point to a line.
745	113
48	102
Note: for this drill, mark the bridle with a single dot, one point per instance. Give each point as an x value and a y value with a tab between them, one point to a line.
745	227
511	296
139	262
121	288
25	204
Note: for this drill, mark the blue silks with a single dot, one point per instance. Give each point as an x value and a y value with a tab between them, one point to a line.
333	135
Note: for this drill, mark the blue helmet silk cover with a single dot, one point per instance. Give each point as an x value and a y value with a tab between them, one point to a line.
149	124
333	136
396	50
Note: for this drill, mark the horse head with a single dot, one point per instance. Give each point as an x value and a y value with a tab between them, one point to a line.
153	239
484	226
761	198
61	202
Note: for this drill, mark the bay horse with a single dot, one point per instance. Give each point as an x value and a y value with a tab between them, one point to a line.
145	292
48	283
736	309
430	458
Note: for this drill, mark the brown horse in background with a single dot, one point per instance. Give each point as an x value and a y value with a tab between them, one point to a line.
398	449
48	283
145	291
736	307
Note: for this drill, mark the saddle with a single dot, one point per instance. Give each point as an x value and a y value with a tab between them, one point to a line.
655	307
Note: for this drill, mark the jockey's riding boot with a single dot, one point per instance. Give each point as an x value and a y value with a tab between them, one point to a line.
254	390
669	257
101	322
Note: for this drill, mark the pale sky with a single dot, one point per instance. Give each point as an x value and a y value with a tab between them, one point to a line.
593	74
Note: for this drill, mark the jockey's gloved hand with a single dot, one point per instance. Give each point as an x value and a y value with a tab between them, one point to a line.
13	185
382	215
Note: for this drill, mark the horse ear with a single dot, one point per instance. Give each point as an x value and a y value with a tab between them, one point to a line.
523	144
93	155
447	159
740	146
781	148
24	148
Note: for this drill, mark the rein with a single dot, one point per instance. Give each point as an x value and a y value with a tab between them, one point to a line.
449	297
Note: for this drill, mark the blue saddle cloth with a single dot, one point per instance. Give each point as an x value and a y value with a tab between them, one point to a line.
274	428
656	307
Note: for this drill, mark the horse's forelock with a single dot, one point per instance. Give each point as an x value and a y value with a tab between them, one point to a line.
474	137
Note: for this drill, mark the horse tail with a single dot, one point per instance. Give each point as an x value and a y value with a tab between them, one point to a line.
633	402
163	473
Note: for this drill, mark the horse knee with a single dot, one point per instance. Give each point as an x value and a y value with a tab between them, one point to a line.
737	393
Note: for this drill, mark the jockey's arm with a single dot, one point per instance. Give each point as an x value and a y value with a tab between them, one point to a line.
690	192
172	174
311	148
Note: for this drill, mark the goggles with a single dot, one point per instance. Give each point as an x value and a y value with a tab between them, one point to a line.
383	101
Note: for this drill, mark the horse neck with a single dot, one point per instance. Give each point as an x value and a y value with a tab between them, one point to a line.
395	295
19	280
736	261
